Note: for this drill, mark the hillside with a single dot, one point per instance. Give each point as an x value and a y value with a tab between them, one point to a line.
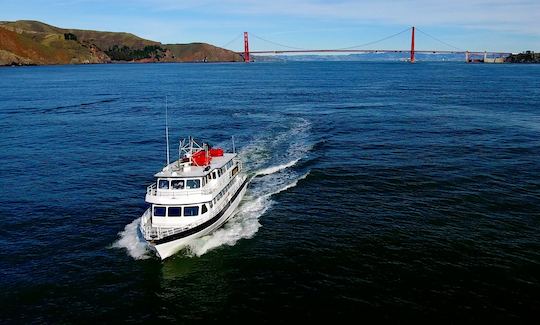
200	52
26	42
44	46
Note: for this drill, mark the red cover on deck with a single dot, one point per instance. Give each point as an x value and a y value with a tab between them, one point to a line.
200	159
216	152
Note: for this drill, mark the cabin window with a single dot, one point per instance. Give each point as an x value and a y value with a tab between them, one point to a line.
219	172
163	184
204	209
159	211
177	184
235	171
175	212
193	183
191	211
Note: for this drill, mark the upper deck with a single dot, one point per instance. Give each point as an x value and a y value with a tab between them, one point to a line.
198	176
179	169
182	183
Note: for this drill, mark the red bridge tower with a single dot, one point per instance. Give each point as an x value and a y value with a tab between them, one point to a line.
412	46
246	47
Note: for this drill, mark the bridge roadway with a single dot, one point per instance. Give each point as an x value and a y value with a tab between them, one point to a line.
375	51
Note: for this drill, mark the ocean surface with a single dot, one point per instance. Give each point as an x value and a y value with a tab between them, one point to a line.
383	190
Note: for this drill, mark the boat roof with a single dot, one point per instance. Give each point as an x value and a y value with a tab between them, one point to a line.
176	169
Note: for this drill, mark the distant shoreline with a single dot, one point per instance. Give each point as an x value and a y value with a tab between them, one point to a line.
33	43
262	62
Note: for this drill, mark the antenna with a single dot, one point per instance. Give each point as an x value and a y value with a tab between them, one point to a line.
205	146
167	128
190	149
233	148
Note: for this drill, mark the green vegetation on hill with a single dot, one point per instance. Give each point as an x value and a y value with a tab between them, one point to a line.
126	53
525	57
27	42
70	37
106	40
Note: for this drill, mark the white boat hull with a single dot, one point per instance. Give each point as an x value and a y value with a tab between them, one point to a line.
167	249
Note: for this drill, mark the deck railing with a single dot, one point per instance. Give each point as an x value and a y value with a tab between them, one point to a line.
152	232
157	232
154	191
205	190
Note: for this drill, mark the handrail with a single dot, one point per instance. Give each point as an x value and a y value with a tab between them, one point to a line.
152	190
157	232
205	190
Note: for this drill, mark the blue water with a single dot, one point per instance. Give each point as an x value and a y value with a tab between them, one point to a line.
384	190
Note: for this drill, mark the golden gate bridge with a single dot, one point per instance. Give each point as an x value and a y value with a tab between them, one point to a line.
486	56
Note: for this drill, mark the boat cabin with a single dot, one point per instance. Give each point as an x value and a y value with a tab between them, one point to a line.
189	188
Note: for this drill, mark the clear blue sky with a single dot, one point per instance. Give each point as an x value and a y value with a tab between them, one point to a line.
497	25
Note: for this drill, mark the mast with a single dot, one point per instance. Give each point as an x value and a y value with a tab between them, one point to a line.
190	149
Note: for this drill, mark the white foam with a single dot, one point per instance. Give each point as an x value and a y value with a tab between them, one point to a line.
290	185
130	241
266	148
244	225
275	169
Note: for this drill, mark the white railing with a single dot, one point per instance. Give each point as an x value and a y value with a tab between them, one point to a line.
152	190
209	188
156	232
151	232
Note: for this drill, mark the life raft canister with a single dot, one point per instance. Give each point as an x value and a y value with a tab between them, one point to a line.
200	159
216	152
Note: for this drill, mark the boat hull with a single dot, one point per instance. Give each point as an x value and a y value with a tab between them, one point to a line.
166	247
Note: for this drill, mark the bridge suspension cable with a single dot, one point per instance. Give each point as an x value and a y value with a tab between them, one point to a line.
438	40
278	44
233	40
344	48
377	41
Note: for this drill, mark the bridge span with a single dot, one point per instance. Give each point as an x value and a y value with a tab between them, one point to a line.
485	55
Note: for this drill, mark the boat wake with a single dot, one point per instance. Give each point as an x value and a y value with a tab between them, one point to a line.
244	224
131	242
275	169
266	182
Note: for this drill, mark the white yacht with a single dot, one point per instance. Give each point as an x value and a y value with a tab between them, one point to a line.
192	197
